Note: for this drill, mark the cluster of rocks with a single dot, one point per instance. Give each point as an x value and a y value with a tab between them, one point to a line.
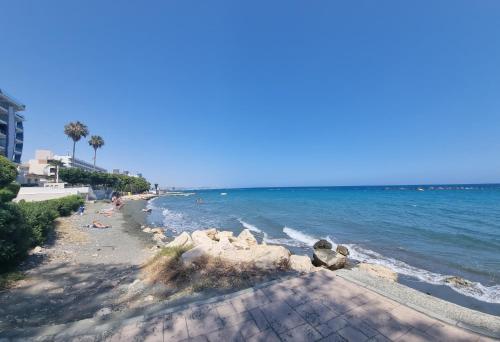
324	255
158	234
243	248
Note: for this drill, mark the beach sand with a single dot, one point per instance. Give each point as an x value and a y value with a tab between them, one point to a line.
80	270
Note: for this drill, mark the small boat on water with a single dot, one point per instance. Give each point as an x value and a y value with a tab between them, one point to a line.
420	189
223	193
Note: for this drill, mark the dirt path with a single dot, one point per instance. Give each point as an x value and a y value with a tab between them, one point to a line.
82	273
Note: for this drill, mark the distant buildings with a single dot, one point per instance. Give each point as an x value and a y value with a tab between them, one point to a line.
80	164
126	173
11	128
41	170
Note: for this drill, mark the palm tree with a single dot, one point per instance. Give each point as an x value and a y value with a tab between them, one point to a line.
75	130
96	141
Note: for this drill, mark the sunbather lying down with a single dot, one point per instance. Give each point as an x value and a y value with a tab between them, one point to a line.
97	224
106	211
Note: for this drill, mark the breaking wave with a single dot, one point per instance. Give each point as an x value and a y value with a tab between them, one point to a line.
476	290
249	226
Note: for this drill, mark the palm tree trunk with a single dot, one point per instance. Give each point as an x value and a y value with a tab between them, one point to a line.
73	158
95	156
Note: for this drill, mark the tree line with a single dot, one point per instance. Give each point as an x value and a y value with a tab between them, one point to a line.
118	182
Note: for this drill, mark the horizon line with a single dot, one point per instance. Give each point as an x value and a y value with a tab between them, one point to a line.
335	186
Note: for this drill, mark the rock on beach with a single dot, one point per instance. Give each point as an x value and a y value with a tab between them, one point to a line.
241	249
183	240
379	271
322	244
329	259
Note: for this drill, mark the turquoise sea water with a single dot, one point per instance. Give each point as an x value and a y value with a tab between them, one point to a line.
425	233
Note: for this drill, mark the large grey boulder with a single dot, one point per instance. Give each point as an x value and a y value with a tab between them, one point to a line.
182	240
322	244
342	250
159	238
200	237
245	240
263	256
224	233
301	263
328	259
458	282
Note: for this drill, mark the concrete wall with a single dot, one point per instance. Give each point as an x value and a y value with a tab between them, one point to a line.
35	194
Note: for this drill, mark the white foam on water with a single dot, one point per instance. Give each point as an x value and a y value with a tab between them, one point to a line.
281	241
178	221
299	236
249	226
476	290
151	204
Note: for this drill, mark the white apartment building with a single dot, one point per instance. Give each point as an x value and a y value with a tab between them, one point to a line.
80	164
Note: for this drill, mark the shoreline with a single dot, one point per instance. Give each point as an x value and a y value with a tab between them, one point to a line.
127	227
484	321
473	294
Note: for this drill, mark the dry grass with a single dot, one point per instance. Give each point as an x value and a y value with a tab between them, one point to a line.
65	229
205	273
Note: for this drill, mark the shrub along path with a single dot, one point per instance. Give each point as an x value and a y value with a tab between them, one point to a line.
80	273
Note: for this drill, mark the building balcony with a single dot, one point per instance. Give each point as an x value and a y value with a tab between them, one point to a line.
3	122
19	117
4	110
19	141
18	151
19	129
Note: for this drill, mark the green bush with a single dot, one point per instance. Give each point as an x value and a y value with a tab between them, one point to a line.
15	235
8	192
8	172
40	216
25	224
66	205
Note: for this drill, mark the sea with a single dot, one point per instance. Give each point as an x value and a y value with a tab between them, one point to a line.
426	234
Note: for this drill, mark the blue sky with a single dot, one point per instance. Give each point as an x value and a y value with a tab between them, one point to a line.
263	93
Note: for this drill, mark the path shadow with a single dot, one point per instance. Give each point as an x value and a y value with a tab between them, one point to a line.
61	293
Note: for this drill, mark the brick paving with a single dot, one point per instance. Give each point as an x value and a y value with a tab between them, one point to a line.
315	307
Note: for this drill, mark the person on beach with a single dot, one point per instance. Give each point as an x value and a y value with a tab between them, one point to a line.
106	212
116	200
97	224
81	209
118	203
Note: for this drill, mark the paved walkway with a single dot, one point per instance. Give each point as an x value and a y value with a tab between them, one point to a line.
316	307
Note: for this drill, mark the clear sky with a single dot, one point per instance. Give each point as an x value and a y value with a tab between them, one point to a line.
263	93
